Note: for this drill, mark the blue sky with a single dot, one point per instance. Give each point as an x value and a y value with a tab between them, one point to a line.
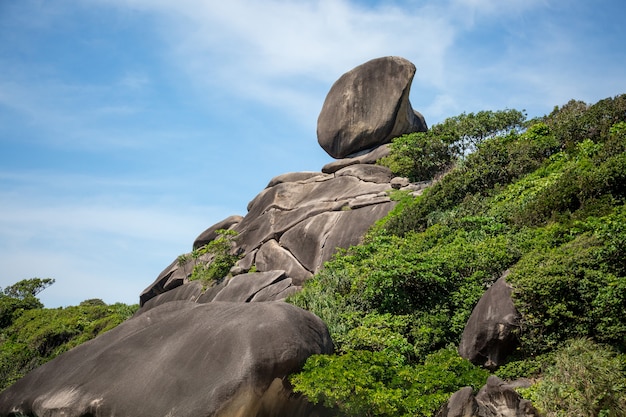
127	127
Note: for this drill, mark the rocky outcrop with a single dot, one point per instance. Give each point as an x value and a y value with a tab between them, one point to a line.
180	359
496	399
297	223
226	348
489	335
367	107
210	234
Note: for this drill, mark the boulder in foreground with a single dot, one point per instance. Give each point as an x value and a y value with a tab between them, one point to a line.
180	359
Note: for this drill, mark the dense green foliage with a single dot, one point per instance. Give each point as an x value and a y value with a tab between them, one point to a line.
31	335
19	297
543	199
585	379
377	383
421	156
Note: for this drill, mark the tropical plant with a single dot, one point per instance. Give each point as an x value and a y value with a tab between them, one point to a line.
34	335
586	379
213	261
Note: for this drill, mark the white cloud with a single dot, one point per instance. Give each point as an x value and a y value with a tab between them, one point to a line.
260	50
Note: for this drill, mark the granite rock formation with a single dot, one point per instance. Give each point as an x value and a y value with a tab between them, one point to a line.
489	335
496	399
367	107
180	359
296	224
226	349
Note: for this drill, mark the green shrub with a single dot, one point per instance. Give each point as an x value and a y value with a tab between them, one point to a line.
218	256
497	162
575	288
586	380
418	156
37	335
378	383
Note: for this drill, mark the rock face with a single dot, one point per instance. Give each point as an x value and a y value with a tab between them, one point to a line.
495	399
180	359
297	223
226	349
489	335
367	107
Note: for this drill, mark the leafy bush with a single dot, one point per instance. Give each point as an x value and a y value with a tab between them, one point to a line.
37	335
497	163
378	383
577	121
421	156
418	156
575	289
585	379
19	297
213	261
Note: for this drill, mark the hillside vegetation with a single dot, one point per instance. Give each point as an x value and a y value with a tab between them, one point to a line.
31	335
543	199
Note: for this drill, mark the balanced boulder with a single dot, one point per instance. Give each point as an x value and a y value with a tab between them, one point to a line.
367	107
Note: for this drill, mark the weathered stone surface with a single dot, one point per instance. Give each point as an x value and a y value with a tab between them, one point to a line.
189	292
279	208
399	182
180	359
272	256
290	201
366	158
368	173
489	335
495	399
173	273
210	293
372	156
276	291
315	240
211	233
461	404
244	264
243	287
335	166
499	398
295	177
367	107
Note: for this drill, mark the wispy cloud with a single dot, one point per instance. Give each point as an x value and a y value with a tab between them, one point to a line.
286	53
283	48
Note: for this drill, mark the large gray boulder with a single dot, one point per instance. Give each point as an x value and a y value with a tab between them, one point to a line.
180	359
490	333
367	107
